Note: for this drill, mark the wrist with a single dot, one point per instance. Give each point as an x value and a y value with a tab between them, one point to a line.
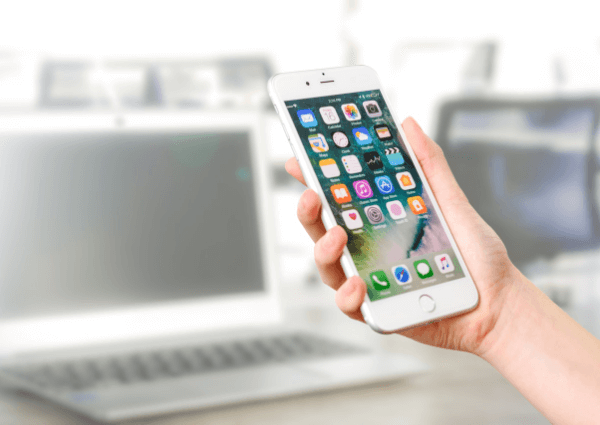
518	307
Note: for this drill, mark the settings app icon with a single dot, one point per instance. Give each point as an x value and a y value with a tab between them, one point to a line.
374	214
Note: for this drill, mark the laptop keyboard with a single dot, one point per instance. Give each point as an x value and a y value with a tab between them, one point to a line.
90	373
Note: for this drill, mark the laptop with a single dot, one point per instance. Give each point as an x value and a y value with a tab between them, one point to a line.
138	272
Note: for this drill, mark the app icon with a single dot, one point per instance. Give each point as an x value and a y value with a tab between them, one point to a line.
372	108
417	205
374	214
401	274
384	184
352	164
396	210
394	156
351	112
373	160
379	280
341	194
307	118
362	136
352	219
363	189
329	168
405	180
444	263
340	139
423	269
383	132
318	143
329	115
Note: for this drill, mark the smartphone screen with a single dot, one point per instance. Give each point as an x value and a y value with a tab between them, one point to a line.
395	237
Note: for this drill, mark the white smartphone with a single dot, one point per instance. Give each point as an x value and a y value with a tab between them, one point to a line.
357	158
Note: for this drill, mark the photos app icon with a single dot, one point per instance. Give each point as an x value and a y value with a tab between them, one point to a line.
351	112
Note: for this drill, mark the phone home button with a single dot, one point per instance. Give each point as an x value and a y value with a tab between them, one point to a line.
427	303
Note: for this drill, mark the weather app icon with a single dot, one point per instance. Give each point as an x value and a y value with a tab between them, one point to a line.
362	136
384	184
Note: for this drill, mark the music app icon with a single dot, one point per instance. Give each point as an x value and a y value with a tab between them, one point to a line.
444	263
363	189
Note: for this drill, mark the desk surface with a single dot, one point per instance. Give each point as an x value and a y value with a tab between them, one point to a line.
459	389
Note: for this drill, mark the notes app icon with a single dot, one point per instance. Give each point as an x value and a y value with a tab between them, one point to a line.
329	168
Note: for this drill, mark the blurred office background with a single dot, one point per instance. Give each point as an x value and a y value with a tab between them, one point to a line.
511	90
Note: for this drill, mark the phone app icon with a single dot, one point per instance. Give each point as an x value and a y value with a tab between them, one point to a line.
351	112
341	194
318	143
307	118
417	205
396	210
401	274
373	160
340	139
394	156
372	108
351	164
384	184
444	263
352	219
379	280
363	189
362	136
383	132
423	269
405	180
374	214
329	115
329	168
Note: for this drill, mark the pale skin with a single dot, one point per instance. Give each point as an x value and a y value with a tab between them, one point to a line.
542	351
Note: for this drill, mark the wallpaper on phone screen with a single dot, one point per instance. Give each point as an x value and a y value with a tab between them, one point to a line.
395	237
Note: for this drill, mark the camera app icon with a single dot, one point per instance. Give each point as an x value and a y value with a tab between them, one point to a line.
372	108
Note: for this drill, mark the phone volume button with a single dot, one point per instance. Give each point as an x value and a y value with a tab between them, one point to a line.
286	133
294	150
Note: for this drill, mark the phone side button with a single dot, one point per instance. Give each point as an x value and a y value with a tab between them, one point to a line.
427	303
286	133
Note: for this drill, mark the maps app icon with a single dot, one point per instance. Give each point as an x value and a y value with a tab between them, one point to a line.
307	118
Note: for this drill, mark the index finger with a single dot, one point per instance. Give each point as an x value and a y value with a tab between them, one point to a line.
292	167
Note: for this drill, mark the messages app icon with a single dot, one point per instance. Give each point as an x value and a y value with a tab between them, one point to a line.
307	118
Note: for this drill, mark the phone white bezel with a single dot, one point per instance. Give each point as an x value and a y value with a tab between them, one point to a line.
397	312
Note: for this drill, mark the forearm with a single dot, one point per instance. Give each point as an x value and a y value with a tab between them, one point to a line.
547	356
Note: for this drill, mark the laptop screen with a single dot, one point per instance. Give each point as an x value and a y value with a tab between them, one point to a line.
94	221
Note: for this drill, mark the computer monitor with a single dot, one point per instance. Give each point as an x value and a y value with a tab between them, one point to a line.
528	167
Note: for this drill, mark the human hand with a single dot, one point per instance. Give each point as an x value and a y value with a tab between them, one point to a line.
483	252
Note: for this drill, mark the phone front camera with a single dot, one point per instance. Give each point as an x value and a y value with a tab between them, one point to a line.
307	83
